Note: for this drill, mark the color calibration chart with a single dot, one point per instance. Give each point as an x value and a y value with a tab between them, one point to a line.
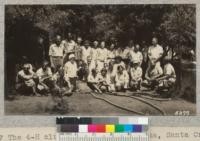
102	129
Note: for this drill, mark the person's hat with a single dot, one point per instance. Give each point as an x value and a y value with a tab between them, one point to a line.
71	56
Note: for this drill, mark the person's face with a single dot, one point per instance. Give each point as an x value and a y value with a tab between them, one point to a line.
58	40
26	69
95	44
137	47
40	40
103	73
94	73
112	46
118	61
69	36
102	44
79	40
154	41
72	60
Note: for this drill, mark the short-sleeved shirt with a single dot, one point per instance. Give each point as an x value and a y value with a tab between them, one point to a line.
136	56
56	51
115	66
111	54
92	79
23	77
155	52
94	54
86	52
106	78
69	46
70	69
102	54
136	73
157	70
169	70
126	53
41	73
122	78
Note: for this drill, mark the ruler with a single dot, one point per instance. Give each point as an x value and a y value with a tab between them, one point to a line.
102	137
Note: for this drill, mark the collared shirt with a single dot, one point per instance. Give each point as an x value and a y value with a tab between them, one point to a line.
94	54
93	79
156	70
78	50
23	77
104	78
122	78
115	66
69	46
136	73
70	69
155	52
119	52
111	54
56	51
86	52
41	73
169	70
102	54
136	56
126	53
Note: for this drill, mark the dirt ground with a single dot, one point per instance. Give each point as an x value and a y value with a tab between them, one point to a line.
84	104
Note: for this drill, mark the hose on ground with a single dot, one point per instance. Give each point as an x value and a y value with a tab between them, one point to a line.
116	105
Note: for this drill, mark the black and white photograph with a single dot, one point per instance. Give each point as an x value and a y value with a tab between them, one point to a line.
100	60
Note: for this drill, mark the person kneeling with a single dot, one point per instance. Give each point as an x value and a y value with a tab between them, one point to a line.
135	75
93	81
70	73
168	79
153	72
121	79
45	77
105	82
26	80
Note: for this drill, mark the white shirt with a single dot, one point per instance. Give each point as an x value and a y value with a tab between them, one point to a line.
157	70
115	66
41	73
119	52
136	56
122	78
126	53
102	54
92	79
94	53
86	53
155	52
70	69
21	76
169	70
105	79
56	51
111	54
69	46
136	73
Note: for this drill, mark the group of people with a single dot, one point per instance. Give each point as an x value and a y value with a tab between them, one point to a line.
104	67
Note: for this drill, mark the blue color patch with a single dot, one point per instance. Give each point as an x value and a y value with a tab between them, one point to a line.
128	128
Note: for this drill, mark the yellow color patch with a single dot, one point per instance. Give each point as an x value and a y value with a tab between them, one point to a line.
110	128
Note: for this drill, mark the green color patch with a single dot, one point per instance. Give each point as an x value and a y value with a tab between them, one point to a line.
119	128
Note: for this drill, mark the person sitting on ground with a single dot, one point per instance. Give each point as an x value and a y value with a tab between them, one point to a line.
135	75
93	81
168	79
45	76
118	62
153	72
70	73
26	80
121	79
105	81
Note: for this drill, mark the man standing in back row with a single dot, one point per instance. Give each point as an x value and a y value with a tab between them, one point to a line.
155	52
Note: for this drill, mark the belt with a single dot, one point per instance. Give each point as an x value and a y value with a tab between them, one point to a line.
57	56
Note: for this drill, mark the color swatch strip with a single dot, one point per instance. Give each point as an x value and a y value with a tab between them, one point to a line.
102	120
103	128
